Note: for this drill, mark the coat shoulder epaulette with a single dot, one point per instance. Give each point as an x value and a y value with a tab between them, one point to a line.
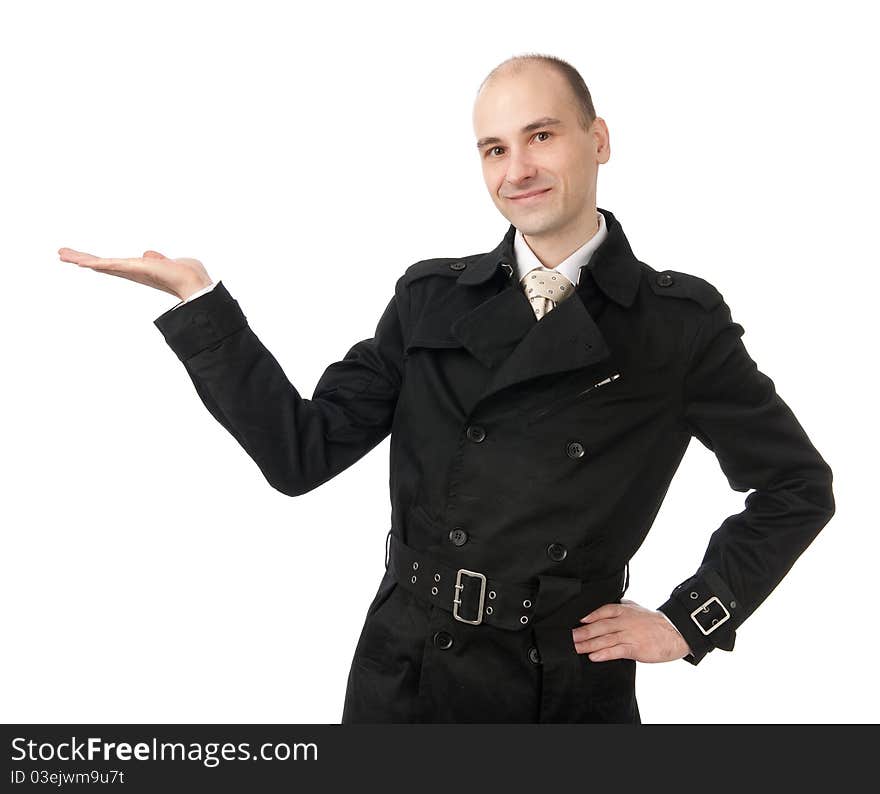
676	284
440	266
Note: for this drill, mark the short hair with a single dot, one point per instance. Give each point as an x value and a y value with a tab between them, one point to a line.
582	99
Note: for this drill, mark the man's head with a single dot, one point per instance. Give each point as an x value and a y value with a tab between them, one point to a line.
536	130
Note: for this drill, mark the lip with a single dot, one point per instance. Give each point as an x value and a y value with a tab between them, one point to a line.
529	196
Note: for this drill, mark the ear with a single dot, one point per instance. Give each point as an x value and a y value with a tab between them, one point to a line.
603	142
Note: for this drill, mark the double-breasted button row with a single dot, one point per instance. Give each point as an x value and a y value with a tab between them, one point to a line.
476	433
443	640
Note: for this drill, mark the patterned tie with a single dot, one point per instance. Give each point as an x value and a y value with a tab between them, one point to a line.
545	289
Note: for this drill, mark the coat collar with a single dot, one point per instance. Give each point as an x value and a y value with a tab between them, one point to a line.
496	323
613	265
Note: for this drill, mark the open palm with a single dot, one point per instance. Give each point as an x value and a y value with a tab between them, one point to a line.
180	277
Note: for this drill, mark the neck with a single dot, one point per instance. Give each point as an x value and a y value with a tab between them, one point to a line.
557	245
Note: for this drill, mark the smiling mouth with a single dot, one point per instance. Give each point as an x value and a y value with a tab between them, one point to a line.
526	196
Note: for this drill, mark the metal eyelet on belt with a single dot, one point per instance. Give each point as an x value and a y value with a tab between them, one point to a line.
694	594
527	603
413	580
436	577
433	591
489	610
491	594
415	566
524	619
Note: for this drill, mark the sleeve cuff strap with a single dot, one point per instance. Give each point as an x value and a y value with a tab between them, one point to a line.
706	612
201	323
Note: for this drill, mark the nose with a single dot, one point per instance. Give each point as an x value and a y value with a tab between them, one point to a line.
519	170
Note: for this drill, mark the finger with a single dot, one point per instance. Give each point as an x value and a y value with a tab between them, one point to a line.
96	262
71	254
620	651
604	611
597	628
595	644
154	255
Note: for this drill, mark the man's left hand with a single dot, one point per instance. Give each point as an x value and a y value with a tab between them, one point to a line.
629	631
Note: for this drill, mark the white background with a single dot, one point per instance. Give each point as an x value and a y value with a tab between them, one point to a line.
149	572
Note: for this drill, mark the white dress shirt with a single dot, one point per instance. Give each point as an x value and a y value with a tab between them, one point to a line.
570	267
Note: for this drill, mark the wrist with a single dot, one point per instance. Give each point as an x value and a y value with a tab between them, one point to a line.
192	289
683	643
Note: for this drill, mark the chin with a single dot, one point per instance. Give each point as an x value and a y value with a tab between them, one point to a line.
533	225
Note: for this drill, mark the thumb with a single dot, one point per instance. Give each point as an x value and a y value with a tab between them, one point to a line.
150	254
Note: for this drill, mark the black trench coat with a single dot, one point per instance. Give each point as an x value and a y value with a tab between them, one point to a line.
528	462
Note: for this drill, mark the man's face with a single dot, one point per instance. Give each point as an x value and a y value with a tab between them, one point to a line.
519	156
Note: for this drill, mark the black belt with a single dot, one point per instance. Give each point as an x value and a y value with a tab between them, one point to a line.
471	596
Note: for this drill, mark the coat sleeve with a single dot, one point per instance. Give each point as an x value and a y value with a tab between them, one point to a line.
733	409
298	443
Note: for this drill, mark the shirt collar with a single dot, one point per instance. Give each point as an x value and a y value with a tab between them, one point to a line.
614	266
570	267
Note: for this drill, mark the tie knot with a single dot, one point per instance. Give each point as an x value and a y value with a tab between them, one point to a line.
547	284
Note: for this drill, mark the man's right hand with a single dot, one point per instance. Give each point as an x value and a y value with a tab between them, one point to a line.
180	277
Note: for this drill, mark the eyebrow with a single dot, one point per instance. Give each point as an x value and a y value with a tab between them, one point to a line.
546	121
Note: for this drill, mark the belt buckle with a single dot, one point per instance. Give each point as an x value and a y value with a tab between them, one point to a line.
459	587
705	608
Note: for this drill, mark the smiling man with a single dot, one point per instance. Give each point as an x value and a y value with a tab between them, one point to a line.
539	397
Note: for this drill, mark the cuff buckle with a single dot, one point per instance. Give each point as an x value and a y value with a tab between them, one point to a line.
704	607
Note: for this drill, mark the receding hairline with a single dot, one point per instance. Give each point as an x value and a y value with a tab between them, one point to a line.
578	90
516	64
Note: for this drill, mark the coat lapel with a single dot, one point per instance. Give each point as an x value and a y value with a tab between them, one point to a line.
502	332
493	329
566	338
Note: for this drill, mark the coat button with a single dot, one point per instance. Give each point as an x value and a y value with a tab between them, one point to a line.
575	449
458	265
443	640
556	552
458	536
534	656
476	433
665	279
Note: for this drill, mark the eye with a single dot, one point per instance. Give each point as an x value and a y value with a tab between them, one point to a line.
542	132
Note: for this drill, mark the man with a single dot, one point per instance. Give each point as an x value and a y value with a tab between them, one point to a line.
539	398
